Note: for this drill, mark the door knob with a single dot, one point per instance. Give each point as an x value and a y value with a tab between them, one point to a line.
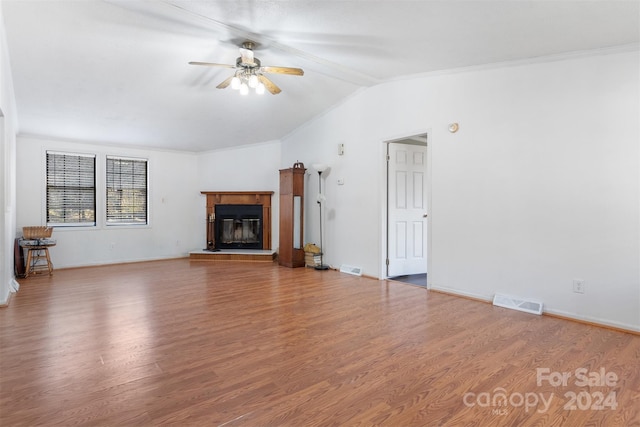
424	215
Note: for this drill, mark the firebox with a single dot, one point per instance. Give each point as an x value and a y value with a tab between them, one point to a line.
238	226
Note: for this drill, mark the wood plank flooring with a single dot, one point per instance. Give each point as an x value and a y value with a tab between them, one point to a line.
184	342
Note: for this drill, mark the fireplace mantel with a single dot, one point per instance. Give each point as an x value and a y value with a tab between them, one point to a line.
242	198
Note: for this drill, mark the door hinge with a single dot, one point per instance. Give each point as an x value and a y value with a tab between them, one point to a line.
388	157
387	261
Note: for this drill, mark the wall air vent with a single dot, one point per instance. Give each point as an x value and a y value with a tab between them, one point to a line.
350	269
515	303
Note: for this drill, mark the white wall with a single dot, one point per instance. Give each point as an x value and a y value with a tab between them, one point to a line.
246	168
539	186
176	205
173	230
8	126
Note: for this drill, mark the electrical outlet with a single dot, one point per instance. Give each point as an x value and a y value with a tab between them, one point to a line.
578	286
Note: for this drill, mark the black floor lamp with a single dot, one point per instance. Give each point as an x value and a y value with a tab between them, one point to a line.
320	167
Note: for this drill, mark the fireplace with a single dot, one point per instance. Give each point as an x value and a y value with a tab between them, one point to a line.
238	227
238	220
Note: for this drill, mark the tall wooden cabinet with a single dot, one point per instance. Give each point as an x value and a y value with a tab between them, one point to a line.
291	252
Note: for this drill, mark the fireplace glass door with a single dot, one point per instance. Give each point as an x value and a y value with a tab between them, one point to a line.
240	231
238	227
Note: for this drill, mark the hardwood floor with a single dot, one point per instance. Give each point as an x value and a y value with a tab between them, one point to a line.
235	344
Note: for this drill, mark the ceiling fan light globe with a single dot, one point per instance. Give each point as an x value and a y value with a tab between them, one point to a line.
253	81
244	89
260	89
235	83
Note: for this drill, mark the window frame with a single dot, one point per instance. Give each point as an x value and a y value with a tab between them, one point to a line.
107	187
91	224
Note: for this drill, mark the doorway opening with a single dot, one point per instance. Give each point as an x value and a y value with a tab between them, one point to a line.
407	208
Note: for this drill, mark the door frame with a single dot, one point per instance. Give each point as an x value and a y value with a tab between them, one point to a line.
384	250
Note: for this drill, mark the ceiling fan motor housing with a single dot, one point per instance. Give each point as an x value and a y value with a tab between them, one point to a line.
240	64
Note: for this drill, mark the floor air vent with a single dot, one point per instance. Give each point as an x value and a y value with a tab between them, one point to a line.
519	304
350	269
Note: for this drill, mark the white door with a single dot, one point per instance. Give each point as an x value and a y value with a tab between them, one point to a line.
407	226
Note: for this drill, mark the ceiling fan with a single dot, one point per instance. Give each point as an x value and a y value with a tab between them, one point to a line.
250	73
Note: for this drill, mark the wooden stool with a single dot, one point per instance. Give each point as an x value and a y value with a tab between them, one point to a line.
36	254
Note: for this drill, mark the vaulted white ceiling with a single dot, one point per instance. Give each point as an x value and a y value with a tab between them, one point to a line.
117	71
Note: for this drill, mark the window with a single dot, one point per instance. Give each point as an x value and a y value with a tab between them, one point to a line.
71	189
126	191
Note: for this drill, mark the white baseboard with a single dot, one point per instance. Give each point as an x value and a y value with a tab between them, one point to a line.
550	311
6	300
115	262
487	298
594	320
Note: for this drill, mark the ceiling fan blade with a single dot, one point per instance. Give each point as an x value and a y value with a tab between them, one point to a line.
225	83
269	85
284	70
211	64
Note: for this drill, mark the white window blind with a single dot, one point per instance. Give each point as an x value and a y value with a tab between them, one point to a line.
126	191
71	189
